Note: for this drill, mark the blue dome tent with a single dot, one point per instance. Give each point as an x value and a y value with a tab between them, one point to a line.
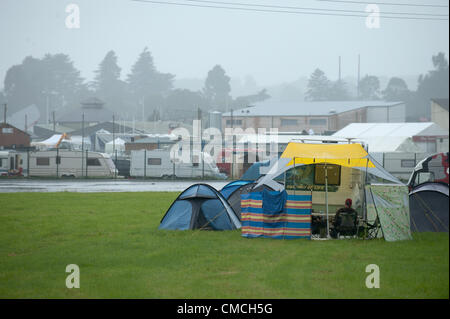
200	207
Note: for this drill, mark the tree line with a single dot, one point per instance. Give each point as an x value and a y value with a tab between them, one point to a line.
434	84
53	80
145	92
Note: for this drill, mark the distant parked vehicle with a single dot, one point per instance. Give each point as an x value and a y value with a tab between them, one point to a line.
157	163
434	169
10	163
122	164
70	163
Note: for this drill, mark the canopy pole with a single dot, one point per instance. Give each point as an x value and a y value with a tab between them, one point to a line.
365	183
365	200
293	176
326	200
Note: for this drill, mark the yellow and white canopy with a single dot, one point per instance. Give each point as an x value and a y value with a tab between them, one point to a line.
347	155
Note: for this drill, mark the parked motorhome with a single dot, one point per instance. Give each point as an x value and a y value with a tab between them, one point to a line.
69	163
157	163
11	163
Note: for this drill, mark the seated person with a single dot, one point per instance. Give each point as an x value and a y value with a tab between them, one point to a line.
346	210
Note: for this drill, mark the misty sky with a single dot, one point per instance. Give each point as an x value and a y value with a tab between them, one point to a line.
188	41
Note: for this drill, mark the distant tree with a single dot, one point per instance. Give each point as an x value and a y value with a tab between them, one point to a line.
52	79
181	104
291	92
107	83
435	84
369	88
338	91
396	90
217	89
318	87
244	101
146	83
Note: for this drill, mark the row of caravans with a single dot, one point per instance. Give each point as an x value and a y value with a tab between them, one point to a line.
75	163
61	163
158	163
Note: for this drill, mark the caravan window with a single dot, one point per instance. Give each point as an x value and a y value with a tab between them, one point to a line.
42	161
93	162
154	161
333	174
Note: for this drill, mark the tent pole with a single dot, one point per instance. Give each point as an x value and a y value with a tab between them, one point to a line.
365	183
365	199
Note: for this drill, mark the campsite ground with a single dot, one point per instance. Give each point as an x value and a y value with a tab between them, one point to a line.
113	238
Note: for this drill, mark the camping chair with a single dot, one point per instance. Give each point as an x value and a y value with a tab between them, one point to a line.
371	230
347	224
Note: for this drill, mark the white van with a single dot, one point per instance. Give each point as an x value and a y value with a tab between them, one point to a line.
157	163
69	163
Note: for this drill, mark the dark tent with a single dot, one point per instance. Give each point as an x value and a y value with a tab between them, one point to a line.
428	204
233	191
200	207
253	172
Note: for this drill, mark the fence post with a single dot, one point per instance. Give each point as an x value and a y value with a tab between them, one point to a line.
173	175
87	154
57	162
203	166
28	163
145	163
115	165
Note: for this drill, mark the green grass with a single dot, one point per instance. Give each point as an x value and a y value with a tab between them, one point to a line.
114	240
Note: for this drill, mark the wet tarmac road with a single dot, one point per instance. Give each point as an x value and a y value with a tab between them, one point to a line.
99	186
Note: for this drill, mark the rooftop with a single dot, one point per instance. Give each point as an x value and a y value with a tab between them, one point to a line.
319	108
390	137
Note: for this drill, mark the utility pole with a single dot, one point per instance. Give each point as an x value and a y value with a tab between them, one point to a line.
4	112
47	105
82	145
54	123
359	74
232	146
114	144
113	133
143	109
340	69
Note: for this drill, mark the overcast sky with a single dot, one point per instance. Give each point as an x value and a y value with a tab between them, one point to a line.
189	41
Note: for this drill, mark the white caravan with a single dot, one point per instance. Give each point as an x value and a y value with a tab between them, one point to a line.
157	163
69	163
10	163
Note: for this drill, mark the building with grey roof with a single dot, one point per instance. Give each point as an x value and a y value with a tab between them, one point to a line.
320	117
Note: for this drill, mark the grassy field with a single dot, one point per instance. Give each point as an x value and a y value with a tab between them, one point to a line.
114	240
